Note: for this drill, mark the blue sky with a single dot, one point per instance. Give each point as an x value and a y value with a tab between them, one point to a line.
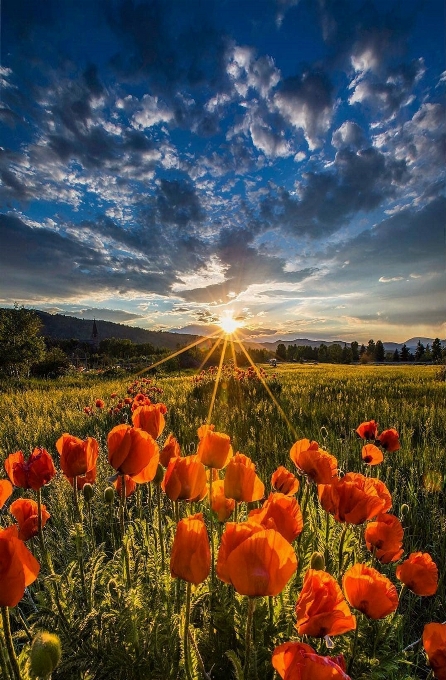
165	161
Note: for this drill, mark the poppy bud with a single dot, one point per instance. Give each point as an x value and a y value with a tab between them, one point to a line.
404	509
317	561
159	474
46	652
109	494
88	492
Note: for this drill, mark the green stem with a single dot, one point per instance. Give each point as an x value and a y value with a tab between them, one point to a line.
327	537
9	644
186	630
355	640
4	661
341	549
76	500
211	529
122	502
80	561
128	579
160	527
248	635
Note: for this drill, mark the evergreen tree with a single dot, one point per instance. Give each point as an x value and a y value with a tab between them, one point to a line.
419	352
436	350
281	351
371	349
396	355
405	354
379	351
355	350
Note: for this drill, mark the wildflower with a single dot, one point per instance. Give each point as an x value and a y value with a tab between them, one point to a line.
190	558
299	661
318	465
5	491
18	567
369	592
355	498
389	440
25	512
214	449
77	456
171	449
133	452
321	608
130	485
185	479
384	537
367	430
241	481
99	403
372	455
419	573
33	473
281	513
81	480
434	643
150	418
222	506
284	481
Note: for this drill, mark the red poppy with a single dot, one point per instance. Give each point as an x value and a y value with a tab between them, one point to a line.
25	512
389	440
367	430
214	449
203	429
222	506
77	456
133	452
281	513
99	403
369	592
150	418
5	491
284	481
190	558
355	498
256	561
299	661
434	643
319	466
88	478
185	479
18	567
130	485
171	449
241	481
372	455
113	395
384	537
419	573
321	608
33	473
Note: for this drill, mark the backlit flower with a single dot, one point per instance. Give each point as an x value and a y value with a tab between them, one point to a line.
185	479
99	403
77	456
389	440
355	498
319	466
133	452
81	480
130	485
241	481
321	608
171	449
434	643
284	481
25	512
369	592
299	661
281	513
190	558
33	473
367	430
214	449
222	506
5	491
18	567
150	418
384	537
419	573
372	455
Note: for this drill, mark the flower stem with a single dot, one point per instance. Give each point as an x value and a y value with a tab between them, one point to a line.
211	529
122	501
76	501
355	640
160	527
9	644
248	635
186	631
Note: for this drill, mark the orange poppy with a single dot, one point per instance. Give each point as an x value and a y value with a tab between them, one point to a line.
99	403
185	479
434	643
33	473
18	567
130	485
190	558
284	481
203	429
367	430
214	449
321	608
77	456
319	466
222	506
372	455
419	573
5	491
88	478
281	513
150	418
25	512
241	481
138	400
355	498
384	537
133	452
369	592
256	561
171	449
299	661
389	440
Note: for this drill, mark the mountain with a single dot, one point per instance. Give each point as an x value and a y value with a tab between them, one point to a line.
411	344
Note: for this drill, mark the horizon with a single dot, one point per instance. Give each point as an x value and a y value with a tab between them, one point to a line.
279	160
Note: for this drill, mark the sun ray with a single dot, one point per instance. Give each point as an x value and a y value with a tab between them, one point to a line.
213	348
179	351
217	380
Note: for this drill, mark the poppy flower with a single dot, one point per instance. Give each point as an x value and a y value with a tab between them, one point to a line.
384	537
5	491
214	449
284	481
185	479
77	456
321	608
319	466
389	440
150	418
355	498
241	481
99	403
434	643
419	573
18	567
372	455
203	429
130	485
369	592
133	452
171	449
190	558
33	473
25	512
281	513
256	561
367	430
299	661
138	400
222	506
88	478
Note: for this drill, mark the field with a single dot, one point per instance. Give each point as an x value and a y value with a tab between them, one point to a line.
105	585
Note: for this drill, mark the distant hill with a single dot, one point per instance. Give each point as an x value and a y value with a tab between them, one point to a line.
411	344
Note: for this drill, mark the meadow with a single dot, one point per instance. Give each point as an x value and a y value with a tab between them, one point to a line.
105	585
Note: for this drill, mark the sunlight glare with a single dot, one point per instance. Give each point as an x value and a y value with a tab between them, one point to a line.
228	323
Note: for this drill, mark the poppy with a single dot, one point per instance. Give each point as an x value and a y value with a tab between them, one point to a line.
434	643
241	481
190	558
321	608
130	485
77	456
88	478
214	449
5	491
33	473
319	466
355	498
367	430
18	567
138	400
99	403
389	440
150	418
369	592
284	481
171	449
299	661
419	573
133	452
281	513
222	506
384	537
25	512
185	479
256	561
372	455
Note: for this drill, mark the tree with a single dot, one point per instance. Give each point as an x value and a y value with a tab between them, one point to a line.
405	354
371	349
396	355
379	351
419	352
281	351
436	350
21	344
354	346
335	354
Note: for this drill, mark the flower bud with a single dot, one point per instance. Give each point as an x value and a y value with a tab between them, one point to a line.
404	510
46	652
88	492
317	561
109	494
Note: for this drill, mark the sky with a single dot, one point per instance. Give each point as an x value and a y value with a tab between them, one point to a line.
166	162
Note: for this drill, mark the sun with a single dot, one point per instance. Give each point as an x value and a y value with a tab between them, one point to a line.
228	323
